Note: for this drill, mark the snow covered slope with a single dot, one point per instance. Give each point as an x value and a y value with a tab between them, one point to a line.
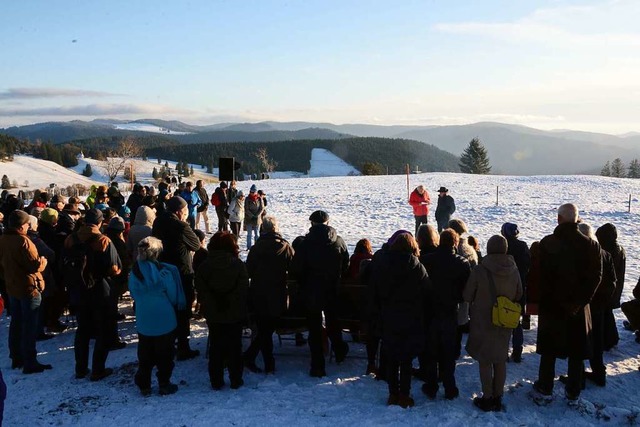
325	163
372	207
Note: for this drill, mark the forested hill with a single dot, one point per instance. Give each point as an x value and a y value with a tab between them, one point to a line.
376	154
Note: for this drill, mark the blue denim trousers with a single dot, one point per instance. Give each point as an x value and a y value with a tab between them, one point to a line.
23	329
252	235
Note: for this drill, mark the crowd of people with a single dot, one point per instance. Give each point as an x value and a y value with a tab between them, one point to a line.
423	290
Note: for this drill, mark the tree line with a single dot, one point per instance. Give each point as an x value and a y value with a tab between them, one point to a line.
616	168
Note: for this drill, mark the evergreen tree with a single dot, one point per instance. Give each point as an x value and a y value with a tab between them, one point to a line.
373	168
474	159
5	182
606	169
154	173
191	170
166	164
87	170
159	161
617	168
634	169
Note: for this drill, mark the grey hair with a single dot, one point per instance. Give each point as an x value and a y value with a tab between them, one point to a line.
270	224
568	213
149	249
587	230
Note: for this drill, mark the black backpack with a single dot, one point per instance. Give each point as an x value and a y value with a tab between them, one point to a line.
78	264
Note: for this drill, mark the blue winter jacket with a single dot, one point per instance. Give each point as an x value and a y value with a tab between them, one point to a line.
156	296
193	201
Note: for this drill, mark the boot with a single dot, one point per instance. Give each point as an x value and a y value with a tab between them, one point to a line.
405	401
167	389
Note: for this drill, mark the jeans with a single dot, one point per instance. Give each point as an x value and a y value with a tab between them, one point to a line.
517	340
23	329
250	238
183	317
420	219
93	322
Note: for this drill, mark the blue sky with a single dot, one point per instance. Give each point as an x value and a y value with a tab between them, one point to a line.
548	64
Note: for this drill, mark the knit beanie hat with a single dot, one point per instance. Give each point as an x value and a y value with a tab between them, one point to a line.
175	203
17	219
49	216
509	229
497	245
116	224
318	217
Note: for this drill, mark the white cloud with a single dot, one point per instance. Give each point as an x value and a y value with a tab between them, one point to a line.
605	25
34	93
91	110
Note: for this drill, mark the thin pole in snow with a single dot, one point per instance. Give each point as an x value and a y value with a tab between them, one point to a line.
629	202
496	195
408	190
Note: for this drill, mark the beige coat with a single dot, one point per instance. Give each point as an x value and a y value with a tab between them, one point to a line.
489	343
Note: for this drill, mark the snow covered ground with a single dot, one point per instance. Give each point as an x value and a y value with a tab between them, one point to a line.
325	163
372	207
32	173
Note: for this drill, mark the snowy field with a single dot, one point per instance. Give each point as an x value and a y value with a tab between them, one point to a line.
372	207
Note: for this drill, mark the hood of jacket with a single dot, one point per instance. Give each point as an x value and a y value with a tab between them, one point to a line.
607	237
144	216
500	264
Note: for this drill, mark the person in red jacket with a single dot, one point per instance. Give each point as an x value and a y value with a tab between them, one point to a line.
420	201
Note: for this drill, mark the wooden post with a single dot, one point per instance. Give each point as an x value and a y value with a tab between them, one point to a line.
496	195
629	203
408	190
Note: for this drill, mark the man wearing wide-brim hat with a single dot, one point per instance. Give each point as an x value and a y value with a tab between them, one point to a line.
446	207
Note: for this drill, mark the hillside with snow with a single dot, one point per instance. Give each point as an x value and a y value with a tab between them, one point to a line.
372	207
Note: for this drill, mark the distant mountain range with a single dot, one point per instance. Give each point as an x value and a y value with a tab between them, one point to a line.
513	149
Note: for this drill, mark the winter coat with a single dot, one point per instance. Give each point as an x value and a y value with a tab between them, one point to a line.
400	284
320	260
607	236
570	271
253	208
489	343
66	224
20	265
134	202
354	264
268	264
178	241
116	199
601	300
156	300
446	207
222	283
519	250
140	229
448	273
204	199
416	201
193	201
47	252
122	278
236	210
91	198
106	264
222	197
466	251
533	281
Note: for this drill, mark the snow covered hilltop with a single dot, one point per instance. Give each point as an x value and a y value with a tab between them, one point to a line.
372	207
